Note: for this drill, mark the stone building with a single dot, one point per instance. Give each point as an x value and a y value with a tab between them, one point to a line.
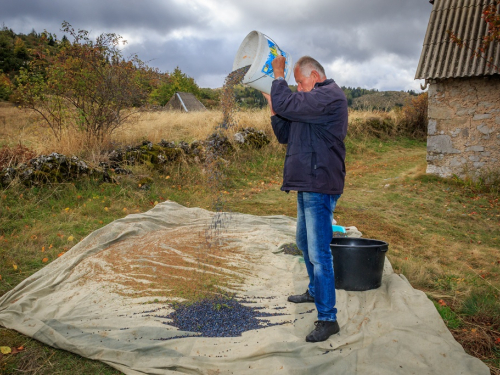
463	136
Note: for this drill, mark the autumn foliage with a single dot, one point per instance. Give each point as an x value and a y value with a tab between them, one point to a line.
12	156
87	85
5	86
415	116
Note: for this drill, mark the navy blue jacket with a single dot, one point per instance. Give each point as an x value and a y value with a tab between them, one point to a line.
314	125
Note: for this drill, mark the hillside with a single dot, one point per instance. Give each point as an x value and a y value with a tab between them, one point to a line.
358	98
383	100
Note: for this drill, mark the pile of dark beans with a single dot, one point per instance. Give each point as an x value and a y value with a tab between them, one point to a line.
219	317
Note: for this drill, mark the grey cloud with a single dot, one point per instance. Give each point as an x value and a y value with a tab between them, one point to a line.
194	56
109	15
355	28
358	32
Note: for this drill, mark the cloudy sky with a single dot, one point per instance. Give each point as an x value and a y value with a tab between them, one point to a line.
365	43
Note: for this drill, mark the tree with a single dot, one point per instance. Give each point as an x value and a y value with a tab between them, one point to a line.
248	97
491	15
13	52
20	50
16	50
352	93
172	83
5	86
86	85
210	98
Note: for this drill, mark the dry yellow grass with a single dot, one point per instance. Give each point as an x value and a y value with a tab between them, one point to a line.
176	126
18	126
28	128
374	122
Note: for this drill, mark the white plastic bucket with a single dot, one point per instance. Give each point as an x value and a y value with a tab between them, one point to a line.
258	51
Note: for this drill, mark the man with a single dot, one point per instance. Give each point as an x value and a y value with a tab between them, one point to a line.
313	122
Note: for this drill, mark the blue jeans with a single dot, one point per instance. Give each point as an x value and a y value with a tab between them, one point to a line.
314	234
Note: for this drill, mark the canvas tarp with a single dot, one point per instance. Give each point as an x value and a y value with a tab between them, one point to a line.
104	300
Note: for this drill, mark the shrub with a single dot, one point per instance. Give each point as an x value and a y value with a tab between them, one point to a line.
415	116
379	124
11	156
5	87
86	85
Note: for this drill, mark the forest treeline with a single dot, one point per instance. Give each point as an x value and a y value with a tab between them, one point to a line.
19	51
29	57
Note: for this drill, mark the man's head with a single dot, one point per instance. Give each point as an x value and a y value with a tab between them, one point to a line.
307	73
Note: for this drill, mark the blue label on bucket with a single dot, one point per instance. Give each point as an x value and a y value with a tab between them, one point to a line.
273	52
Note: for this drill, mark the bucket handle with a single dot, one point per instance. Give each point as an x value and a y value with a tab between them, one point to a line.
271	39
383	249
255	79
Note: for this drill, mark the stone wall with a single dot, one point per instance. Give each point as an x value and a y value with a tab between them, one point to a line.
463	135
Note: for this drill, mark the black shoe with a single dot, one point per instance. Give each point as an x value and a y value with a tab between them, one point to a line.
324	329
301	298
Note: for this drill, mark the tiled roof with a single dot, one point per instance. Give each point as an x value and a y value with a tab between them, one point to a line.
441	58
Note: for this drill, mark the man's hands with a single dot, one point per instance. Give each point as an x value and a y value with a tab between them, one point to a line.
279	66
269	101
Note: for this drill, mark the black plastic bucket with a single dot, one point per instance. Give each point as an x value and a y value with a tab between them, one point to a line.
358	263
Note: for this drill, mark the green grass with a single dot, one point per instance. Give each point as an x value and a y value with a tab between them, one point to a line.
38	358
482	304
442	233
449	316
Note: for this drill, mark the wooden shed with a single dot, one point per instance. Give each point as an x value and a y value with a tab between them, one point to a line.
463	136
184	101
